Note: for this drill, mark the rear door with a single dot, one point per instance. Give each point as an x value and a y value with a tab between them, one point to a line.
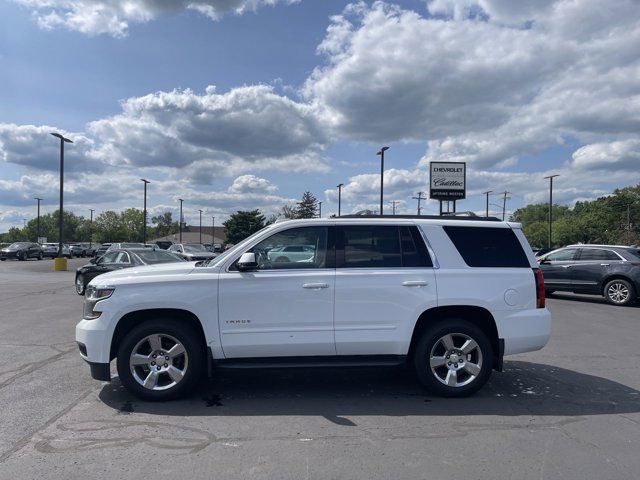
384	281
556	268
591	266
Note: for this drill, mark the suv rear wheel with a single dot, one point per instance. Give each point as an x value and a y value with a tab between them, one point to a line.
159	360
619	292
453	358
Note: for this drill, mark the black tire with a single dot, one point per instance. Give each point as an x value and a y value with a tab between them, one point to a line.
2	259
619	285
40	256
195	351
22	257
430	340
80	287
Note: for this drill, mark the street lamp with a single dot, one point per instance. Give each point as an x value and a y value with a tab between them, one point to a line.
181	219
201	227
38	221
319	209
91	228
63	140
486	194
213	231
339	187
381	153
551	177
144	213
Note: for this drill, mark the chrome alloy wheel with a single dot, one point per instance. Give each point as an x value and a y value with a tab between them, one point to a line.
456	359
618	292
158	362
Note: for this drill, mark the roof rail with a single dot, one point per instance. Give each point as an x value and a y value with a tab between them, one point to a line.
425	217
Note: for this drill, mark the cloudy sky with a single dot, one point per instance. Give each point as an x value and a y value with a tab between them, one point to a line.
237	104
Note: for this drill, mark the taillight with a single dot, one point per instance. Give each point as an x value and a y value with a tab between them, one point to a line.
540	299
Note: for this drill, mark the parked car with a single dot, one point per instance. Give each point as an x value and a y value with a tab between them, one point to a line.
191	251
291	253
50	250
118	259
367	297
164	244
81	250
22	251
102	249
612	271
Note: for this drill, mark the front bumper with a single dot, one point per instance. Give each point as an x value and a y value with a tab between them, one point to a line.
8	255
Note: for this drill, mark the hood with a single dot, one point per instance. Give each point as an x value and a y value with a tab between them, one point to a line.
143	273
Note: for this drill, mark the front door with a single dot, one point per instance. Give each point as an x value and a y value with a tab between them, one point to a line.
285	307
557	268
384	281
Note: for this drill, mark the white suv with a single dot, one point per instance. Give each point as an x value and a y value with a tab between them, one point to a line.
450	296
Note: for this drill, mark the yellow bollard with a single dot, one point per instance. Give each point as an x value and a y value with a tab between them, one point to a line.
60	264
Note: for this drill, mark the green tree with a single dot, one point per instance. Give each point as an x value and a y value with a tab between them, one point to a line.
242	224
308	206
537	233
164	225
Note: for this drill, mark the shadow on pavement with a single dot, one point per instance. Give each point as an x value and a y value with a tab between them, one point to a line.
576	297
524	388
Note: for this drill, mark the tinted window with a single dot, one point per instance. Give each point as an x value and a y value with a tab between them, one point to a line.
272	253
635	253
370	246
598	254
414	251
565	254
488	247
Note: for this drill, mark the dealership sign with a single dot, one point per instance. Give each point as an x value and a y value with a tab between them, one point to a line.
448	180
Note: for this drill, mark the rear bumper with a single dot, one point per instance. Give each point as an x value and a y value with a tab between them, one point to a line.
524	330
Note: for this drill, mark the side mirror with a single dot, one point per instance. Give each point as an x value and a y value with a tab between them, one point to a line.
93	260
247	262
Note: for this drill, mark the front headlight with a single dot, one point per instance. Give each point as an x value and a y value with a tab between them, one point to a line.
92	296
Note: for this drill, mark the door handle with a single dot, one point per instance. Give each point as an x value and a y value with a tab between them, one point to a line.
415	283
315	286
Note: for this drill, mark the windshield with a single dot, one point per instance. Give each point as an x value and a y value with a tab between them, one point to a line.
195	248
151	257
131	245
19	245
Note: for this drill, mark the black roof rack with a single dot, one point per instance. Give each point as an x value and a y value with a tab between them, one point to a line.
426	217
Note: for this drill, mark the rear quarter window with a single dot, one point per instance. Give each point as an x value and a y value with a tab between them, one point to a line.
488	247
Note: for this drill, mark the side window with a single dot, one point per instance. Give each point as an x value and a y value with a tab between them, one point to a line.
414	251
122	257
488	246
566	254
109	257
273	253
597	254
370	246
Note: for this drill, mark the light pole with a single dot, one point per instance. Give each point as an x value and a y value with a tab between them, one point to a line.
38	221
393	205
504	203
486	194
91	228
551	177
339	187
420	197
181	219
144	213
201	227
63	140
319	209
381	153
213	231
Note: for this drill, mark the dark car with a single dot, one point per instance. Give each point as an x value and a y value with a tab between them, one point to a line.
192	251
164	244
117	259
80	250
22	251
608	270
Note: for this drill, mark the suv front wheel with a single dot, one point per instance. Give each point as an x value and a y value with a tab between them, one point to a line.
160	360
453	358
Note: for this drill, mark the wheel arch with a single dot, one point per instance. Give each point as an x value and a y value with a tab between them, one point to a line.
617	276
132	319
478	316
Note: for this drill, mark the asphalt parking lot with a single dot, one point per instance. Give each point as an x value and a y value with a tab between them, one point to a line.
571	410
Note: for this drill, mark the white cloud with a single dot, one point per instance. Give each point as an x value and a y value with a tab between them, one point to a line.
620	156
113	17
246	127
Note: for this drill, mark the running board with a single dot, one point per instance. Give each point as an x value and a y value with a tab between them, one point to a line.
312	362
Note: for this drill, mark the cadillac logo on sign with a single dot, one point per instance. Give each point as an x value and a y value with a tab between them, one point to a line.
448	180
